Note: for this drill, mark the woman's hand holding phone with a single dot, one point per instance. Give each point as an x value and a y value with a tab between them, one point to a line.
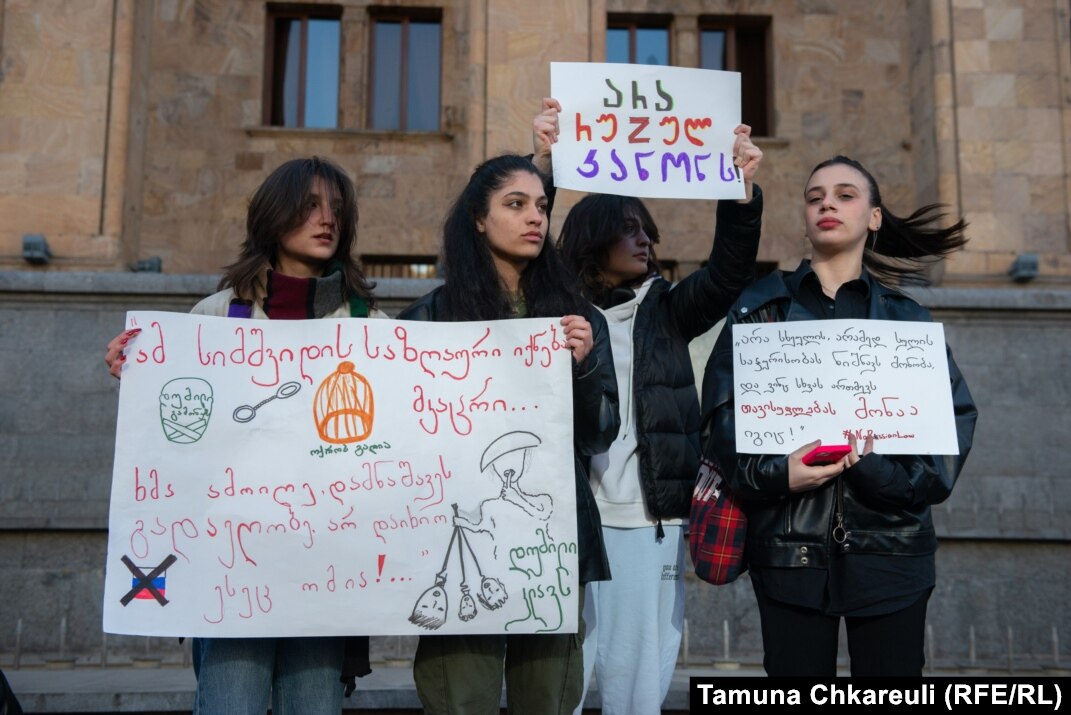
803	477
827	454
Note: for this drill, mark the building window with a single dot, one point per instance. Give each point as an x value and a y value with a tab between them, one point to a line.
384	266
741	44
638	39
302	65
406	67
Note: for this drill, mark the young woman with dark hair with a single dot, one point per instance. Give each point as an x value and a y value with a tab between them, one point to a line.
498	265
296	262
472	257
643	483
853	539
288	236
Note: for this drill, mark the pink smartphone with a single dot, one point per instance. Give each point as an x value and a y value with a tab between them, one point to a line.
826	454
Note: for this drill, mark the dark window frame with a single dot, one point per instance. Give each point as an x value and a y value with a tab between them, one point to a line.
670	268
730	24
646	21
272	102
405	16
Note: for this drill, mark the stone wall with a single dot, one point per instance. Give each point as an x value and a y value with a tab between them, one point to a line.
59	62
134	129
1008	84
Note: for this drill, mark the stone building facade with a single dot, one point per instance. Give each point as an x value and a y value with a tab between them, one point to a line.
137	129
134	129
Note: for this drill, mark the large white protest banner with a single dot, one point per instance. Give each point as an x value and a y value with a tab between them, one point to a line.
325	477
646	130
796	382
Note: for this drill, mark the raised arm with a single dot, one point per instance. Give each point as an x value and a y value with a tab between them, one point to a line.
545	130
746	158
703	298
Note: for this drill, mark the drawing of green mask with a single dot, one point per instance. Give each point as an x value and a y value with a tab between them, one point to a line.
185	408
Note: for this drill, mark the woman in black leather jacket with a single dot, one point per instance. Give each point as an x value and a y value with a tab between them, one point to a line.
853	539
498	266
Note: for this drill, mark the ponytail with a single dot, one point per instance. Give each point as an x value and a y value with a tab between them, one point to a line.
904	248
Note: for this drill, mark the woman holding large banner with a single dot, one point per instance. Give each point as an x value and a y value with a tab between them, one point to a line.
853	538
497	267
643	483
296	262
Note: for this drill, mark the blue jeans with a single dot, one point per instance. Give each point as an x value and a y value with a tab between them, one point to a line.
237	676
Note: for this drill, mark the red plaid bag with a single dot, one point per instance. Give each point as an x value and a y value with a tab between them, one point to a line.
718	526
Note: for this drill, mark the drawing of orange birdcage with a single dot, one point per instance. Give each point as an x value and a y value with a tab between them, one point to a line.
344	407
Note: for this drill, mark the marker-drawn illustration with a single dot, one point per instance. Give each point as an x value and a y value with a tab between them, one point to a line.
185	408
430	610
508	456
246	413
152	585
259	515
344	408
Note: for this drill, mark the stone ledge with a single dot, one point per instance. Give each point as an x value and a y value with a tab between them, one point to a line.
993	298
104	283
170	689
199	285
84	282
389	689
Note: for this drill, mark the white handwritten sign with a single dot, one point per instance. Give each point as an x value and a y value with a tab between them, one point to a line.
331	477
644	130
800	381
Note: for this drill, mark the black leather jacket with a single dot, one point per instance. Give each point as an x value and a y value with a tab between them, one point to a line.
595	424
885	499
665	401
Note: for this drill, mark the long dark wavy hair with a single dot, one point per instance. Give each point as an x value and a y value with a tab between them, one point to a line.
593	226
282	204
903	248
473	290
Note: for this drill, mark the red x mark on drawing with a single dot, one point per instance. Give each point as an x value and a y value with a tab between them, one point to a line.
145	581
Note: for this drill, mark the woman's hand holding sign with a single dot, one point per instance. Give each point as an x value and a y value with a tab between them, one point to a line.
545	130
746	158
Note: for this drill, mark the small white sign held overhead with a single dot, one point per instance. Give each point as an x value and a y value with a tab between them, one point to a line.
644	130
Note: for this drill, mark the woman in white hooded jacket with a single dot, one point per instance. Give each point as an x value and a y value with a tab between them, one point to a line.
643	484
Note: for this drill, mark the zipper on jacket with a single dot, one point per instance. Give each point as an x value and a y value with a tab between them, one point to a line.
840	535
631	373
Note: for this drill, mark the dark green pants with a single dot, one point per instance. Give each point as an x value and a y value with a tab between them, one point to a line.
462	675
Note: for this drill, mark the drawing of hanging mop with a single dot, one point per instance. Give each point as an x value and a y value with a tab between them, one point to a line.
508	456
430	611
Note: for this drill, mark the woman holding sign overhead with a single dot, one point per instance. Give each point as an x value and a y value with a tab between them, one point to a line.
296	262
498	266
643	483
853	539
